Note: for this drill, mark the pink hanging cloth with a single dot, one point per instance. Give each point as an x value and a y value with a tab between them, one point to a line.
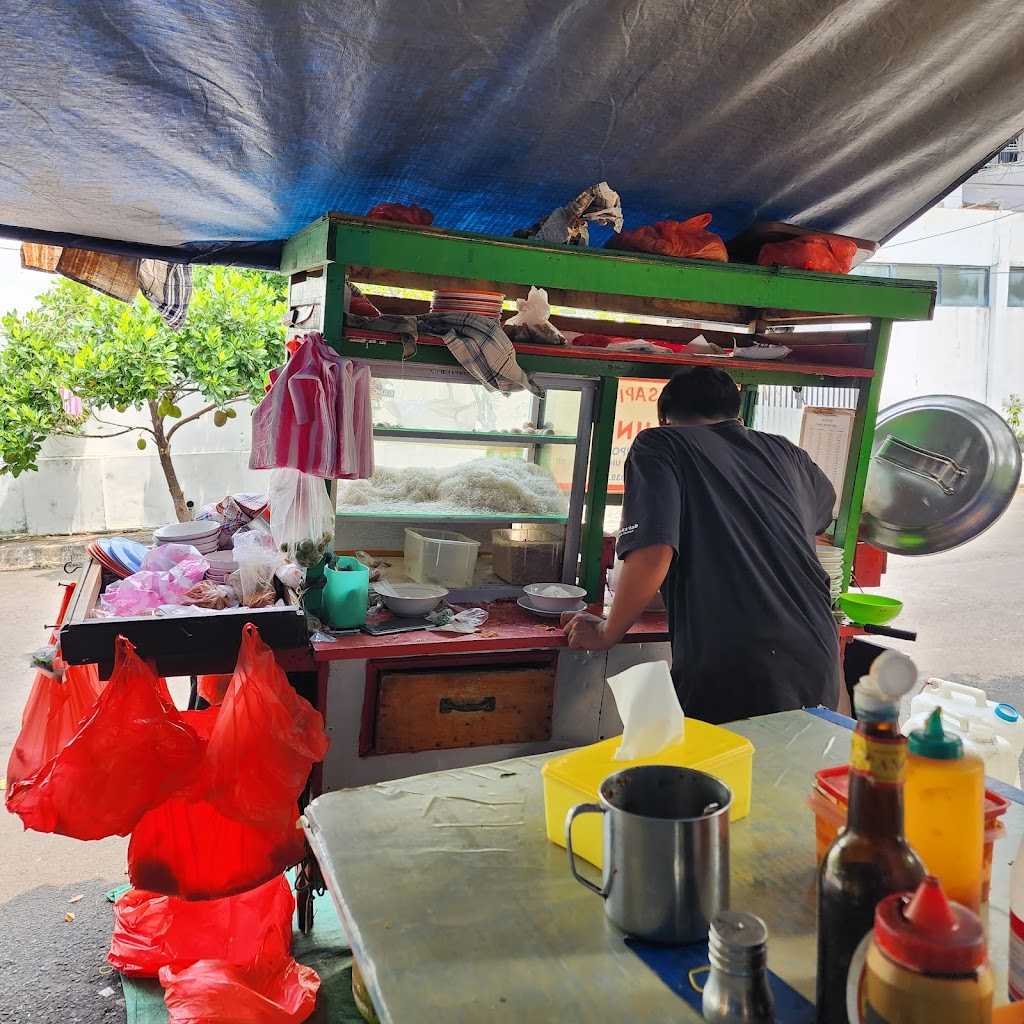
316	417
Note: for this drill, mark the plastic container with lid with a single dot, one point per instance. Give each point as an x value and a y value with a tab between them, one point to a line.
440	556
944	797
575	777
527	553
971	703
828	800
926	962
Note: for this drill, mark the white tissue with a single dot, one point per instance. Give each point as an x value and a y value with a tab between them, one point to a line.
649	709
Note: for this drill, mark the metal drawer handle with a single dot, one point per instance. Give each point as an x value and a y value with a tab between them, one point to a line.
944	472
447	705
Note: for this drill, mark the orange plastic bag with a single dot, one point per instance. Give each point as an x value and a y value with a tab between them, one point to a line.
213	992
129	753
55	708
153	931
831	254
683	238
264	742
189	848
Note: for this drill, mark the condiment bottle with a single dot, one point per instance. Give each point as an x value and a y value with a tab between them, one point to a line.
870	858
737	989
927	962
945	809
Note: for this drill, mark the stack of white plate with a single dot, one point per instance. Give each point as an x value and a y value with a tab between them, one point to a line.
202	534
832	562
222	565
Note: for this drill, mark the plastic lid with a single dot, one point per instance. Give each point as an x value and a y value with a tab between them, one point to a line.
1007	712
928	934
891	676
934	742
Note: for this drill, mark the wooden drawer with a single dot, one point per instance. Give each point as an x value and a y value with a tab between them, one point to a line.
475	706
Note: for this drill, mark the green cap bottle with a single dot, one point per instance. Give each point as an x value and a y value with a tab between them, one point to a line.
933	741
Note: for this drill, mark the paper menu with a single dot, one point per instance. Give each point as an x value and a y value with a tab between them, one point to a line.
825	436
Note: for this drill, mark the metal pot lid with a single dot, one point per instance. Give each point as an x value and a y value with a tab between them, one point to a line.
943	469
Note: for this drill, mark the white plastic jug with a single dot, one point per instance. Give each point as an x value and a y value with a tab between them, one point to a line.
1001	760
971	703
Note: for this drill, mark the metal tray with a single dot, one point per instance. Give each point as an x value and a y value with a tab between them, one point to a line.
943	469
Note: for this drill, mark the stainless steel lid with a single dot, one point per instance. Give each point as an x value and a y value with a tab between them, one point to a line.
943	469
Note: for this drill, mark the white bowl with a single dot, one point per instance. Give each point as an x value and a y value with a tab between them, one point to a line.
572	596
186	533
410	599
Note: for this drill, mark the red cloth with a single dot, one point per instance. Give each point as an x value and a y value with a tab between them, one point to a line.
411	214
831	254
682	238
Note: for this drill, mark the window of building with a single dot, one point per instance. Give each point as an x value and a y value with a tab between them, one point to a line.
957	286
1015	295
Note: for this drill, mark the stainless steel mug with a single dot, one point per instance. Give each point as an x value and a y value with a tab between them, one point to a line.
666	851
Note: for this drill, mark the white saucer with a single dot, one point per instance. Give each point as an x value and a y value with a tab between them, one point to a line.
526	606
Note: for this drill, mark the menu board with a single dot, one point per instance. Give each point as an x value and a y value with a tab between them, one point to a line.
825	436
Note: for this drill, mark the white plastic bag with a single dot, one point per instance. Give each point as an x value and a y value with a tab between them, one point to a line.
649	709
257	558
301	516
532	321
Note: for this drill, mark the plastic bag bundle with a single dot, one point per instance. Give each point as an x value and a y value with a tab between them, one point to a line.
599	204
257	560
831	254
168	572
214	991
685	238
130	752
532	322
153	931
301	516
56	705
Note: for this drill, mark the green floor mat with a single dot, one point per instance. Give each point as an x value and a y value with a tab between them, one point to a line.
325	950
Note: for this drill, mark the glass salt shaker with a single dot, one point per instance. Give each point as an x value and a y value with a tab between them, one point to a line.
737	989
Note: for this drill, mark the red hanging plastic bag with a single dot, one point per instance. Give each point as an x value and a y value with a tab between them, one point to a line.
264	743
682	238
831	254
188	848
213	687
213	992
153	931
128	754
56	705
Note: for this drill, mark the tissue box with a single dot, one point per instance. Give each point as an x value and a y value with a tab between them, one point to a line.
574	778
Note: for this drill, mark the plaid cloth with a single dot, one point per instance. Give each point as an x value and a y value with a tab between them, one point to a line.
482	348
168	287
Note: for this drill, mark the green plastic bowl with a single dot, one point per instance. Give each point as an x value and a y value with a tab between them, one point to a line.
869	609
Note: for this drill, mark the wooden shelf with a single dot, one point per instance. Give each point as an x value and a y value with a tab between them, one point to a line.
471	437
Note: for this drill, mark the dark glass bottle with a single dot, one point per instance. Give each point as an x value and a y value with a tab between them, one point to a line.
868	861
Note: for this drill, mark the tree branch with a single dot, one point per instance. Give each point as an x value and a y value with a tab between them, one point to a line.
121	429
202	412
97	437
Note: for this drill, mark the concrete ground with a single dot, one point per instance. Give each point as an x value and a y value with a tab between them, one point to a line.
966	605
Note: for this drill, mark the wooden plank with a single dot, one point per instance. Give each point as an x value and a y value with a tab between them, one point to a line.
308	248
593	276
454	708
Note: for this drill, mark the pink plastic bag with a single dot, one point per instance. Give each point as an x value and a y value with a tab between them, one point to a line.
167	574
213	992
129	753
153	931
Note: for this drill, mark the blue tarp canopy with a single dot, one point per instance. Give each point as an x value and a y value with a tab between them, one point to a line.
211	130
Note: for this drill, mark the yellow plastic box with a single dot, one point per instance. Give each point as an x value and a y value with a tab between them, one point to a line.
574	778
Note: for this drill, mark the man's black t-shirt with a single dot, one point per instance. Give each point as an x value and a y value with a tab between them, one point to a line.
748	601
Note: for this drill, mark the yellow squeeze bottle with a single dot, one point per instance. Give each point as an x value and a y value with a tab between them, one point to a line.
945	810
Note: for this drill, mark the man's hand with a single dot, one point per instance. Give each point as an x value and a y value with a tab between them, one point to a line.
586	632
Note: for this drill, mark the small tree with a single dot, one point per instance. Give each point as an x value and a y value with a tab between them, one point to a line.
118	356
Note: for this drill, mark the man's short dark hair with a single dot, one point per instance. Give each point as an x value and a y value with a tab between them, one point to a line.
702	392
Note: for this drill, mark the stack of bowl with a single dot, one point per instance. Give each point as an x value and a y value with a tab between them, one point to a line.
202	534
831	559
222	565
486	304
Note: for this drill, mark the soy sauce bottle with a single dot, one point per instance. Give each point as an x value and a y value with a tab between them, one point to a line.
870	859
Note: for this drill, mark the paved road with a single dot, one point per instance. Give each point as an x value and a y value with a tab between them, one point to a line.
967	605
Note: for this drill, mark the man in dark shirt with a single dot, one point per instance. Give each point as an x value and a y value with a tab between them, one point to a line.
723	519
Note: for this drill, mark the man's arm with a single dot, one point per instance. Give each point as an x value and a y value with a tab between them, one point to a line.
642	573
